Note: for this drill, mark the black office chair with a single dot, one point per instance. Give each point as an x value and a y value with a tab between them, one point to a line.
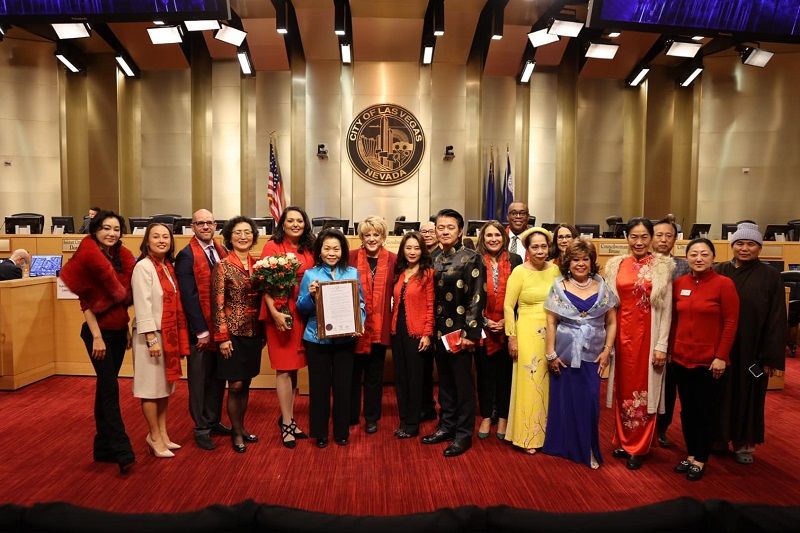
612	222
167	219
795	233
791	279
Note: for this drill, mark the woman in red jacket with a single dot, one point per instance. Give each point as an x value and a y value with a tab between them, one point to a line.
492	363
412	328
706	313
375	266
100	274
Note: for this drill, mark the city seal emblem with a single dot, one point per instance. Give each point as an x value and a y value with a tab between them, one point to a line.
385	144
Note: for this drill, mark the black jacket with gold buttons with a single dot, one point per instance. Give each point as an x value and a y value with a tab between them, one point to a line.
460	287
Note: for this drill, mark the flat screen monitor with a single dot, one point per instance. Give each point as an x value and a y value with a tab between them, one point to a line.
474	227
619	230
45	265
67	225
699	230
266	226
776	264
23	225
550	226
342	224
138	224
774	21
777	232
593	230
726	230
401	227
28	11
183	226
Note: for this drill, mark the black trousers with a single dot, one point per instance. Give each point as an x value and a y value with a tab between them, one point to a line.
456	392
670	394
111	443
698	391
494	381
369	368
205	390
330	367
428	402
408	370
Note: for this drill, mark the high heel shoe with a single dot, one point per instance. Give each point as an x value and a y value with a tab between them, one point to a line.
166	454
286	431
173	446
299	435
238	448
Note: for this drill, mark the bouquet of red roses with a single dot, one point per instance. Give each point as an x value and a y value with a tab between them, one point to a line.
277	276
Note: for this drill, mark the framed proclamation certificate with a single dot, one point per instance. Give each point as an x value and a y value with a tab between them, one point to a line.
338	309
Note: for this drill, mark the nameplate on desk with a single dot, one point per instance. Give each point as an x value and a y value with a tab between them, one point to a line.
680	250
63	292
70	245
393	240
613	248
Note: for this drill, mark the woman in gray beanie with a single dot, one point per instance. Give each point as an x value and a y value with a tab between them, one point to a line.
759	346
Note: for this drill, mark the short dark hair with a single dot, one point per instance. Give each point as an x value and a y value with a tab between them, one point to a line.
306	241
451	213
332	233
635	221
144	249
702	240
425	260
669	219
95	209
581	245
227	230
499	227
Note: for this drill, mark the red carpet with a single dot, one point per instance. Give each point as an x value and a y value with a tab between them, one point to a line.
46	431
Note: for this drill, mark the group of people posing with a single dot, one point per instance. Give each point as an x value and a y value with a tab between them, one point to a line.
528	307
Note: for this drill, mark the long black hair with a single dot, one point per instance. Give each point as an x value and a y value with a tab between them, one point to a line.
113	253
425	260
306	241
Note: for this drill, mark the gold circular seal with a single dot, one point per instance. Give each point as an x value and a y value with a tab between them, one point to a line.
385	144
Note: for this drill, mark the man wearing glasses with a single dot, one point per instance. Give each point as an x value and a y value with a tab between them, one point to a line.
193	267
428	231
517	223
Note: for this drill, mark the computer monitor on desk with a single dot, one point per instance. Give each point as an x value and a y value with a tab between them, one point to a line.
266	226
138	225
619	231
401	227
62	225
339	223
23	225
777	232
474	227
591	230
727	230
183	226
45	265
699	230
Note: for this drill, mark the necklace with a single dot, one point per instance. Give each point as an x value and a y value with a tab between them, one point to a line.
583	286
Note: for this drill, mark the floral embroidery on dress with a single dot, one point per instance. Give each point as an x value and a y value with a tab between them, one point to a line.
542	332
644	277
634	412
531	367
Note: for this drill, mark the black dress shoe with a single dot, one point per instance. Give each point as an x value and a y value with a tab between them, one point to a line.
682	467
238	448
341	442
437	436
396	432
371	427
249	437
220	429
322	442
458	447
663	441
204	441
403	434
634	462
619	453
126	464
695	473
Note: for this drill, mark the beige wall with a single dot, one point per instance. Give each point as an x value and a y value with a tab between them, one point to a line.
589	148
29	129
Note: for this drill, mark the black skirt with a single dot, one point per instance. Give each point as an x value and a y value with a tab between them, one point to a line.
244	362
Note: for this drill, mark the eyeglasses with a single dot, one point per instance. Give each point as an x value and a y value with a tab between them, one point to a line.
428	231
564	237
242	232
203	223
518	213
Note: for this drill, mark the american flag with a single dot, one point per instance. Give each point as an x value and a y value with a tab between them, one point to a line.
277	202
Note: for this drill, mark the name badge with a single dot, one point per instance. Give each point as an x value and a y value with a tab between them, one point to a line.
686	292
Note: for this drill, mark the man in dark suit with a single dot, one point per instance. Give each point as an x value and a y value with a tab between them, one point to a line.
12	268
193	267
88	220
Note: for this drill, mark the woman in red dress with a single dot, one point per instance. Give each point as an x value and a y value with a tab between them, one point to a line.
285	331
643	283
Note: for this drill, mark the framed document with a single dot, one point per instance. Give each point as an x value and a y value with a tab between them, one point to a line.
338	309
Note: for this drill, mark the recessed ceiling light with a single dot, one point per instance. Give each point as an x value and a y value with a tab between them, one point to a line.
614	34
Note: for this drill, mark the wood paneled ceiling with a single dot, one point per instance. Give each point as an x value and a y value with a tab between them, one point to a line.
382	30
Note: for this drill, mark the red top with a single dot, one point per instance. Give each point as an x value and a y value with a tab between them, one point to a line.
418	302
706	313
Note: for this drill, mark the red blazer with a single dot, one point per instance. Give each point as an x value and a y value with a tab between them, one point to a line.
418	302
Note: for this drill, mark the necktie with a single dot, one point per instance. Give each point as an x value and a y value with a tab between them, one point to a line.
513	247
212	259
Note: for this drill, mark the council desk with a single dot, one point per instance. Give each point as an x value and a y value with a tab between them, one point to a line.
40	331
